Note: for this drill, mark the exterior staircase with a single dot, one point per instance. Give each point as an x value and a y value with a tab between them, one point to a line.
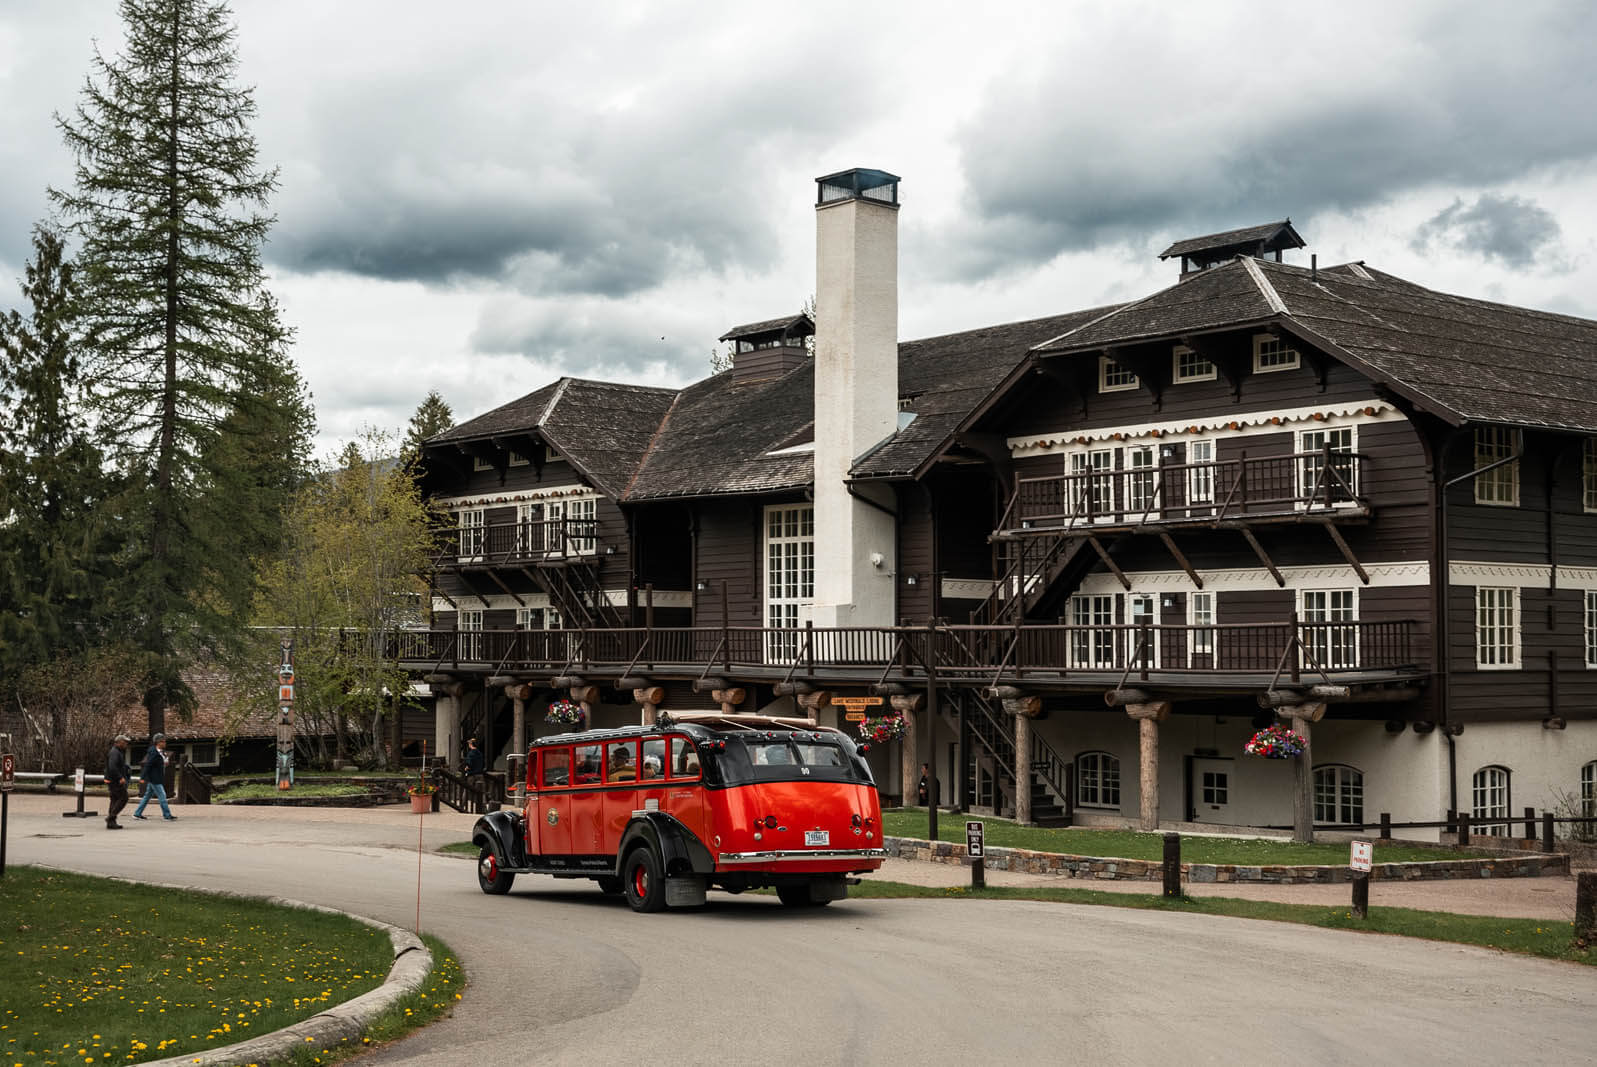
991	745
573	587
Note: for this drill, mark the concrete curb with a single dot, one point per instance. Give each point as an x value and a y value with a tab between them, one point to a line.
343	1022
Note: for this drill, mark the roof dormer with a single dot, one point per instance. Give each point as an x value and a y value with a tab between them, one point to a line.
1201	253
762	351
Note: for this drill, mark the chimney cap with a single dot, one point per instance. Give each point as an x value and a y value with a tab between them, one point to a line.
857	184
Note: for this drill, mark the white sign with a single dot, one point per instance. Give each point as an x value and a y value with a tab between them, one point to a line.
1363	856
8	772
974	839
77	780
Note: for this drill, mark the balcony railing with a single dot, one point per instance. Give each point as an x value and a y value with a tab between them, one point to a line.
502	543
976	652
1324	481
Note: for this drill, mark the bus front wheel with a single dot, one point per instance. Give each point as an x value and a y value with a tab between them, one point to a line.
492	880
642	881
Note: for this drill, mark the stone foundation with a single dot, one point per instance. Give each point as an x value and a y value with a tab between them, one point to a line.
1100	868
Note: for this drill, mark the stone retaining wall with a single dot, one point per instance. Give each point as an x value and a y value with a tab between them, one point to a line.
1025	861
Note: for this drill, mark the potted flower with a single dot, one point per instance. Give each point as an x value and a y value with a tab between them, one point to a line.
422	794
564	712
1275	742
882	728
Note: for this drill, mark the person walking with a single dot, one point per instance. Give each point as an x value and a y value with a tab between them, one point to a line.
154	775
117	773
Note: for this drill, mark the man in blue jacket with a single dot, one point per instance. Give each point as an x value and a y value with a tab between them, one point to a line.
154	775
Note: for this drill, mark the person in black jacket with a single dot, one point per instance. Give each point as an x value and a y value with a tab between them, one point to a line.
117	773
154	775
474	763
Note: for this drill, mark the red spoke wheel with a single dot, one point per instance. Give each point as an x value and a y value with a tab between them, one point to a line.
641	876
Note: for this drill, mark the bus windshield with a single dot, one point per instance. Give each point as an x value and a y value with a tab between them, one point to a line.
792	757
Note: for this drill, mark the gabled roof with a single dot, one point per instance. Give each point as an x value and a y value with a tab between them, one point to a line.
1462	359
802	319
603	428
1269	237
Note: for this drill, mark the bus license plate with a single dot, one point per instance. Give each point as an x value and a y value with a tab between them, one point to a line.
817	837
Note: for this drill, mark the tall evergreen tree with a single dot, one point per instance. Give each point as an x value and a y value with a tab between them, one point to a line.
169	208
57	523
431	417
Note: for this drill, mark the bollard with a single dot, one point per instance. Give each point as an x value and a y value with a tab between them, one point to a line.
978	873
1386	826
1530	824
1547	831
1361	894
1586	906
1172	866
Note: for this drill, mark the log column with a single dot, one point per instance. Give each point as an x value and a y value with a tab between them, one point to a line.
446	711
1148	717
649	698
588	697
729	698
812	702
1299	716
518	695
1024	709
909	705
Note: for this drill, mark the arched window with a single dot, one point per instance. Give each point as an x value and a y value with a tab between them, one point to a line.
1097	780
1489	797
1338	794
1588	790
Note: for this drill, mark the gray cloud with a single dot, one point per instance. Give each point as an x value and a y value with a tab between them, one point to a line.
1510	229
596	338
1082	155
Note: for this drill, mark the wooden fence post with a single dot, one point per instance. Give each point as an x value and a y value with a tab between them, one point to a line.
1172	866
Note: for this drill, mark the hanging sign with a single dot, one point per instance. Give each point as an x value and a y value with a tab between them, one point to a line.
854	716
855	703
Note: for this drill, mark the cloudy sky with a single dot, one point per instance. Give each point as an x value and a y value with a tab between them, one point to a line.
479	196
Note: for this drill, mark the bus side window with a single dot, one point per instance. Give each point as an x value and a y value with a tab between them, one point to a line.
684	758
621	762
654	758
588	766
557	766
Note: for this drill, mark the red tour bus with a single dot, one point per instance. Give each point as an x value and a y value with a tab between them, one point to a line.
664	812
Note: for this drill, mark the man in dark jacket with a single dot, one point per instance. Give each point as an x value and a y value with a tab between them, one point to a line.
154	775
117	773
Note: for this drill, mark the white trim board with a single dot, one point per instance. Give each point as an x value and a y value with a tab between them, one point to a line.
1486	572
514	496
617	598
1253	579
1241	424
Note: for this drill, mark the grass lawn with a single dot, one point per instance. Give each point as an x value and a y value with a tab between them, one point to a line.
1131	845
301	789
1533	937
465	848
100	971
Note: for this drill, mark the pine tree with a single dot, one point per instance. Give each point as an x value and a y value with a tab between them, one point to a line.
432	417
57	516
168	207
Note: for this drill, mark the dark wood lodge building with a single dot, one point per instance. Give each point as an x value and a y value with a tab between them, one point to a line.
1087	555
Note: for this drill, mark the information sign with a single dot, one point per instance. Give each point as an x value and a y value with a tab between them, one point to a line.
1363	855
855	703
8	772
854	716
973	839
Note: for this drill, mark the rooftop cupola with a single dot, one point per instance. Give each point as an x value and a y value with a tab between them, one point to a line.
1201	253
763	351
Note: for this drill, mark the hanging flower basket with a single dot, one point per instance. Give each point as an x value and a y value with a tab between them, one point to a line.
879	729
1275	742
564	712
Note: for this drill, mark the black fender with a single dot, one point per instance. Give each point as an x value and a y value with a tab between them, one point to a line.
502	834
679	848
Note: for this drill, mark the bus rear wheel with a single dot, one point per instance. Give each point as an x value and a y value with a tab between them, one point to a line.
641	879
493	881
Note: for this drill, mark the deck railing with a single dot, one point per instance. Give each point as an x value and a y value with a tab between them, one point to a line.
1321	481
502	543
1291	647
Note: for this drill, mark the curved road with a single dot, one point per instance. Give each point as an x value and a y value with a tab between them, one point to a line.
561	974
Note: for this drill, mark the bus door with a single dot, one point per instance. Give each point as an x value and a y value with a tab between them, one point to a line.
587	800
681	794
549	811
621	793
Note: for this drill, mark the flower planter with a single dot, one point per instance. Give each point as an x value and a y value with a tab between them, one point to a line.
421	803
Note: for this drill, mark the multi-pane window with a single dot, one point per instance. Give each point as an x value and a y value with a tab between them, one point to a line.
789	575
1500	485
471	535
1330	630
1338	795
1142	609
1489	800
1588	790
1591	627
1319	481
518	460
1113	378
1188	366
1200	472
1140	482
573	526
1496	627
469	623
1588	474
1093	488
1272	353
1200	609
1097	780
1215	788
480	464
1092	641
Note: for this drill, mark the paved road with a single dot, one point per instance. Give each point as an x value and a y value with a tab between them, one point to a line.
561	974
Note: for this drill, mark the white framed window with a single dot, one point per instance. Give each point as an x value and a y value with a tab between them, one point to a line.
480	464
518	460
1588	474
1489	799
1591	627
1092	641
1588	790
529	618
469	623
1188	366
203	753
1200	616
1093	488
1113	378
1143	608
1271	353
1097	780
1329	620
1141	480
572	526
789	576
1500	485
1497	628
1338	795
471	534
549	454
1316	485
1200	472
531	533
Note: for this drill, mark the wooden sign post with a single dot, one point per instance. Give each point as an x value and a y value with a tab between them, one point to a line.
8	782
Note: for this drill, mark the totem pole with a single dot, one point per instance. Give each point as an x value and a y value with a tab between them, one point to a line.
285	717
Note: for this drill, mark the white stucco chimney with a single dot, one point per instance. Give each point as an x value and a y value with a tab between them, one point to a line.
856	393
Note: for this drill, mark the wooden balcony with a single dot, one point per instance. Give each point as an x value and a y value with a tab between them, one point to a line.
1261	489
1069	656
519	544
